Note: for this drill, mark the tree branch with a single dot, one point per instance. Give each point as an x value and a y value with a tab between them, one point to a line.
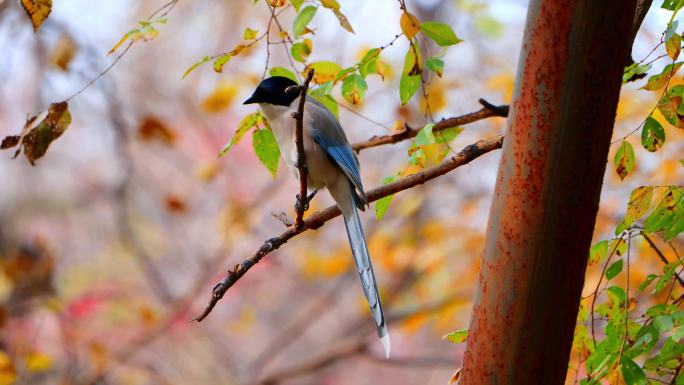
488	111
317	219
302	204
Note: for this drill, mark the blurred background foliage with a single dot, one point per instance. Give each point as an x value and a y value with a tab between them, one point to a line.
110	245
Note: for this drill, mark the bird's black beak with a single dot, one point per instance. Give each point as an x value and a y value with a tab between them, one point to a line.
255	98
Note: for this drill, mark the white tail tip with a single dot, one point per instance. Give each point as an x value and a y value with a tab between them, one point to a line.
386	344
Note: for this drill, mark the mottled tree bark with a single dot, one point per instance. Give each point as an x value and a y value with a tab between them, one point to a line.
547	191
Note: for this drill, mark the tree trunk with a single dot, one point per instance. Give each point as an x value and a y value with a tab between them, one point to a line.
547	191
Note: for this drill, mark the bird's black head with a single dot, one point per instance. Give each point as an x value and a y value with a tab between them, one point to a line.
272	91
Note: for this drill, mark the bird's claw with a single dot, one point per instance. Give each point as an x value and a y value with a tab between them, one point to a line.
296	205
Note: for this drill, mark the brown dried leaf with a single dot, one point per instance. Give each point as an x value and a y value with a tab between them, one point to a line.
152	128
175	204
38	11
455	377
64	51
9	142
36	142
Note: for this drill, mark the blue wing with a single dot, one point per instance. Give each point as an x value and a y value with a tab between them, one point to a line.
330	136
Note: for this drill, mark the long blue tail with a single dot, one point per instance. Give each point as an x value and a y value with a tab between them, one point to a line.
357	241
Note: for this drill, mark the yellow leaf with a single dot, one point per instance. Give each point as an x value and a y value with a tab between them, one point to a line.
249	34
125	37
277	3
324	71
436	97
639	203
38	362
331	4
146	33
220	98
38	11
207	172
502	82
410	25
316	266
414	323
148	316
99	356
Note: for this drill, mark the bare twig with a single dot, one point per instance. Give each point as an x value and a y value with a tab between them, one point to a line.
320	362
488	111
301	156
358	346
317	219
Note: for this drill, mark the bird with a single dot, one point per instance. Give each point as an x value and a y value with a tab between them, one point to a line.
330	163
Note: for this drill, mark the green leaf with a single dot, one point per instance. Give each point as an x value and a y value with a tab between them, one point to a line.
221	61
410	76
457	336
249	34
673	46
632	373
644	341
281	71
657	82
672	5
322	94
598	252
663	323
343	20
302	20
382	205
647	281
639	204
446	135
614	269
488	26
617	295
194	66
663	217
441	33
301	50
624	159
416	156
663	281
245	125
425	136
633	70
408	85
652	135
618	246
354	88
670	105
266	149
369	63
435	65
677	333
413	62
296	4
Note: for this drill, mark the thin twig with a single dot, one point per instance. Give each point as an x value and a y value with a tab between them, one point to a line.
301	156
488	111
317	219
